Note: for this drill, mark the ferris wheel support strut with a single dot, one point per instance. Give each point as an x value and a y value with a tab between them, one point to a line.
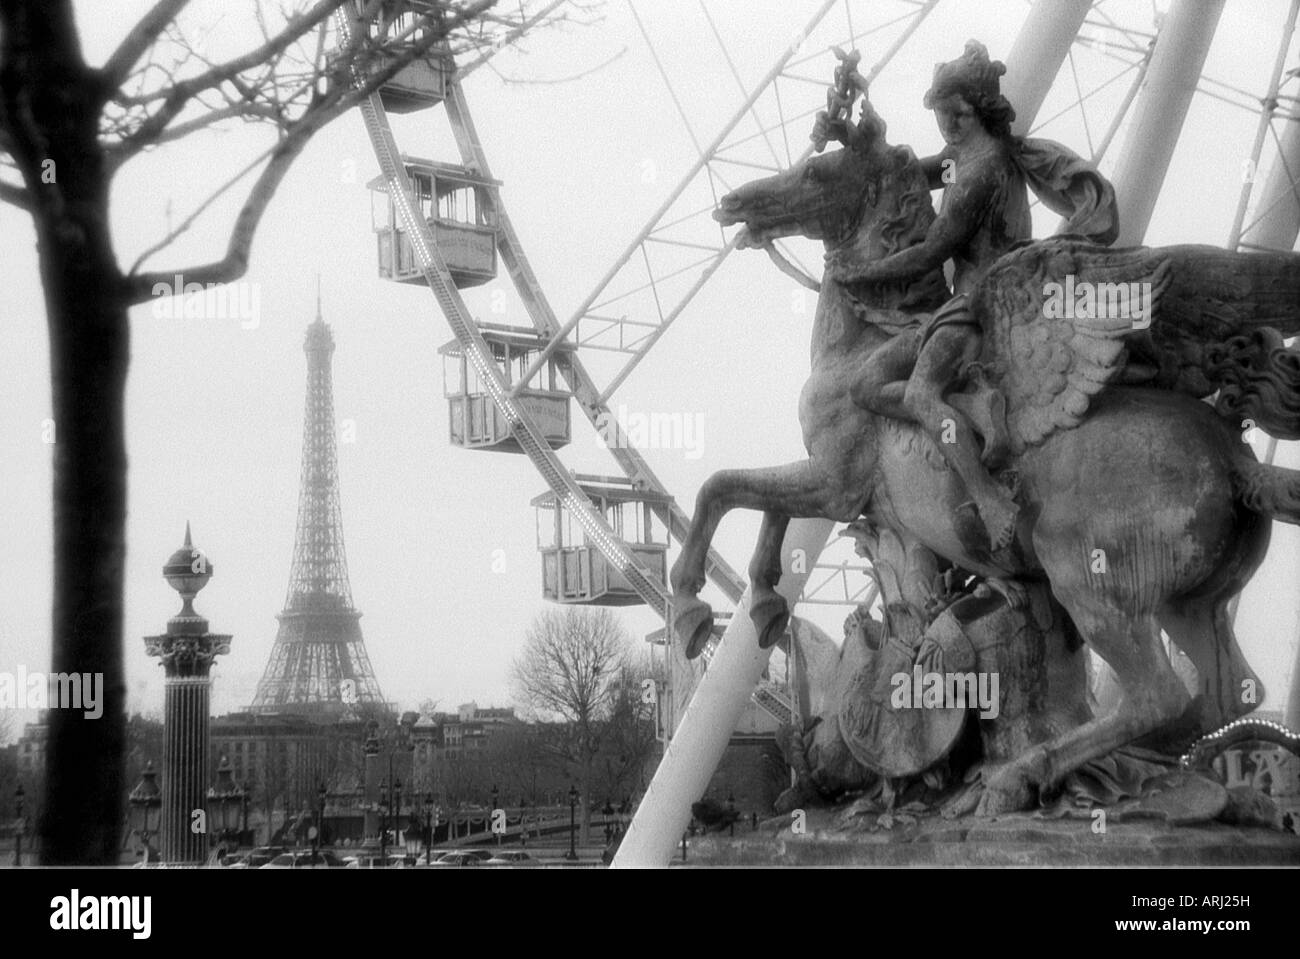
737	664
1261	130
1171	80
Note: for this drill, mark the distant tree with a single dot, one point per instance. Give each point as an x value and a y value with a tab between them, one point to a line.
629	743
67	127
568	674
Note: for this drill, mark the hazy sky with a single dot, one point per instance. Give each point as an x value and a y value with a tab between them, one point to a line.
215	409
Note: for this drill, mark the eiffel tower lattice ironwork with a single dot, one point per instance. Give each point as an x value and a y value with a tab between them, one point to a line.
319	663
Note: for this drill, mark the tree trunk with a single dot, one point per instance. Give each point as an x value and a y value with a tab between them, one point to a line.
584	809
51	109
88	360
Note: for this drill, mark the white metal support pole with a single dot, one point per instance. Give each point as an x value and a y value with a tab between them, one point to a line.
737	664
1040	49
1277	221
701	738
1269	108
1162	105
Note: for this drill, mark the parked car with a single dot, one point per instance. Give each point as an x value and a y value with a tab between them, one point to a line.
324	859
482	855
258	857
512	857
451	859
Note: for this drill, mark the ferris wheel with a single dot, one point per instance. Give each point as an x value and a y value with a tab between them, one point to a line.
445	224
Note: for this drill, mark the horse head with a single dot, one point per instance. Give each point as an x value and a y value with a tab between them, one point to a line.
868	195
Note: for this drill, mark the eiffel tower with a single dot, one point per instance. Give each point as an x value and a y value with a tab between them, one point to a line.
318	665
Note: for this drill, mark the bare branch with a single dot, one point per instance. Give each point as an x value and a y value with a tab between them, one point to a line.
139	41
190	220
179	95
138	288
17	196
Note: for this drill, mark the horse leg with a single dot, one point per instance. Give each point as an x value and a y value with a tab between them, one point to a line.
1229	687
1151	695
795	489
768	608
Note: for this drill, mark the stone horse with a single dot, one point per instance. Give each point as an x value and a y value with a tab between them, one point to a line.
1141	506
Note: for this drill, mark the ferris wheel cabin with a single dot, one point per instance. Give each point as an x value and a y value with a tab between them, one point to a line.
475	420
398	26
574	570
455	202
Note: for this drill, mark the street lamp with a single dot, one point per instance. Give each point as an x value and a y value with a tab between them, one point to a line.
429	824
573	823
412	837
224	800
605	813
397	805
320	817
394	740
146	807
19	796
496	802
245	795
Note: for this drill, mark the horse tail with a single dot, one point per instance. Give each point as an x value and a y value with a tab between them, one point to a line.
1268	490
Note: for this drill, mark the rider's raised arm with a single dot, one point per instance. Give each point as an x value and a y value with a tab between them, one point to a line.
967	203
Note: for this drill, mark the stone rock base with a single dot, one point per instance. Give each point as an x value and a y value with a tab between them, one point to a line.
1021	840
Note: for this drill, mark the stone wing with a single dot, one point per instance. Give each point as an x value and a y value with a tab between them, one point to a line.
1057	318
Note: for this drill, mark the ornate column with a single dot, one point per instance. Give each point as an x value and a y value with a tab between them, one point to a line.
186	651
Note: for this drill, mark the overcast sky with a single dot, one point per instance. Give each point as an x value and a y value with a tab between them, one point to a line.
441	541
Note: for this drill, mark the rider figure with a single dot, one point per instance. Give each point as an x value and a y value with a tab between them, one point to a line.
983	214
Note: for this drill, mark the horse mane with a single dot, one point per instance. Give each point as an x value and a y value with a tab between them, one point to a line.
915	212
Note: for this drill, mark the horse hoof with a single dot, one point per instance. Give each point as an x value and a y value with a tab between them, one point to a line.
1011	790
770	615
693	624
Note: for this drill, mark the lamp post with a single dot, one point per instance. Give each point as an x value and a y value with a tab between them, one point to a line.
379	793
731	811
145	801
19	796
224	800
496	802
429	824
245	794
397	803
412	838
573	823
605	813
320	817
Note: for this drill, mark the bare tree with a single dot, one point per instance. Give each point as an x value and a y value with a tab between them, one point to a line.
66	128
629	743
568	673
